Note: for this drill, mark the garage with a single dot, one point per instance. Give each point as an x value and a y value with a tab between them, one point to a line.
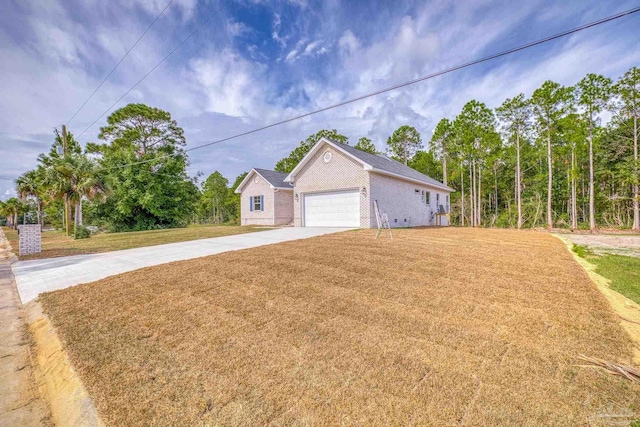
334	209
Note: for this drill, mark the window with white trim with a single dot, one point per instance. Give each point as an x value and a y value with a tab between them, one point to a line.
427	197
257	203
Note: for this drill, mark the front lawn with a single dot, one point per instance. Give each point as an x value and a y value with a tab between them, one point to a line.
447	326
56	243
623	271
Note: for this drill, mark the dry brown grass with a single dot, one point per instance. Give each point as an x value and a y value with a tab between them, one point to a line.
435	327
56	243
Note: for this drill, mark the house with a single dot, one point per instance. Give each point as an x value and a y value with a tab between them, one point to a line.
335	185
266	198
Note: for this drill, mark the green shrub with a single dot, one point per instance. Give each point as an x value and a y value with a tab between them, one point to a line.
581	251
81	232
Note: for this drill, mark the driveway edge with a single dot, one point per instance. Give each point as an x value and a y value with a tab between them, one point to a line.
69	402
20	402
627	310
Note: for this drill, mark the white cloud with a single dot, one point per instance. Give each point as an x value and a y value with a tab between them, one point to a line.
275	34
311	47
216	91
235	28
291	56
297	50
228	82
153	7
348	43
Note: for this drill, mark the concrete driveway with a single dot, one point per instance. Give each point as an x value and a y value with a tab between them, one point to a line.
44	275
617	244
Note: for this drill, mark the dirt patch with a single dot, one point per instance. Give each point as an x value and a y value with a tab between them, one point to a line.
627	310
445	326
20	402
621	244
69	402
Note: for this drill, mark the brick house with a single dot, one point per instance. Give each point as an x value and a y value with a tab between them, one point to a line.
266	199
335	185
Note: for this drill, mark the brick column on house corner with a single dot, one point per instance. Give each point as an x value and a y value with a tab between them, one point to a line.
30	238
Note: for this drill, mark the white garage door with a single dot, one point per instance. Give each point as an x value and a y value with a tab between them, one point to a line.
337	209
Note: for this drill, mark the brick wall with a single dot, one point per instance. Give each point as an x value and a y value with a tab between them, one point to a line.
283	207
341	173
405	207
256	189
30	238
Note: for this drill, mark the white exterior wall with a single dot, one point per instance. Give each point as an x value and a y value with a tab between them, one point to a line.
403	206
341	173
444	219
261	188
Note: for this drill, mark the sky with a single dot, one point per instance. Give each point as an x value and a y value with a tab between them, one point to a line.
257	62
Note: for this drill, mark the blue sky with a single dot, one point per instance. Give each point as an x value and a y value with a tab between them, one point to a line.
258	62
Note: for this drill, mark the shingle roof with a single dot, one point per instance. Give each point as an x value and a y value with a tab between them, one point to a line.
383	163
274	178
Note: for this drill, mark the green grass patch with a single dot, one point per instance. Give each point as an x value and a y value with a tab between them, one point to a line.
581	251
623	271
56	243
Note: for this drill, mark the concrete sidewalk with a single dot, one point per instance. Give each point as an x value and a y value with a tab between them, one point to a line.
44	275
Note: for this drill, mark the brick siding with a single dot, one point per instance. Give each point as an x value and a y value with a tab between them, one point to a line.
341	173
278	205
30	239
404	206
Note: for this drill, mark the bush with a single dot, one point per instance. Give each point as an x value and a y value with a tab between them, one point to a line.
81	232
581	251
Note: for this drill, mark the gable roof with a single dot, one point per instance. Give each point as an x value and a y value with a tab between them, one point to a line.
273	178
373	163
276	179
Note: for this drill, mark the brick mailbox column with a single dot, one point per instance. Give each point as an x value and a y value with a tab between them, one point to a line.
30	237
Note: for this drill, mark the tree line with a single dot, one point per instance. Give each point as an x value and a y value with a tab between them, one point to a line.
134	179
547	160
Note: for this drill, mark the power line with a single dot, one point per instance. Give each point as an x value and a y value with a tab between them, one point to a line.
119	62
156	66
407	83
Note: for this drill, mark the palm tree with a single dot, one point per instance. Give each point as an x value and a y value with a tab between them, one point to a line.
4	212
87	183
12	208
30	184
71	178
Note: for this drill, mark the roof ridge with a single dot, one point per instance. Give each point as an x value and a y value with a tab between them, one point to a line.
389	165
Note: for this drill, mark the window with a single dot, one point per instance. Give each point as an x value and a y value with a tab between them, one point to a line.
427	199
437	199
256	203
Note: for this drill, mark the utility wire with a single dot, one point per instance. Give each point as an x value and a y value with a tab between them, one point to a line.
119	62
407	83
156	66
